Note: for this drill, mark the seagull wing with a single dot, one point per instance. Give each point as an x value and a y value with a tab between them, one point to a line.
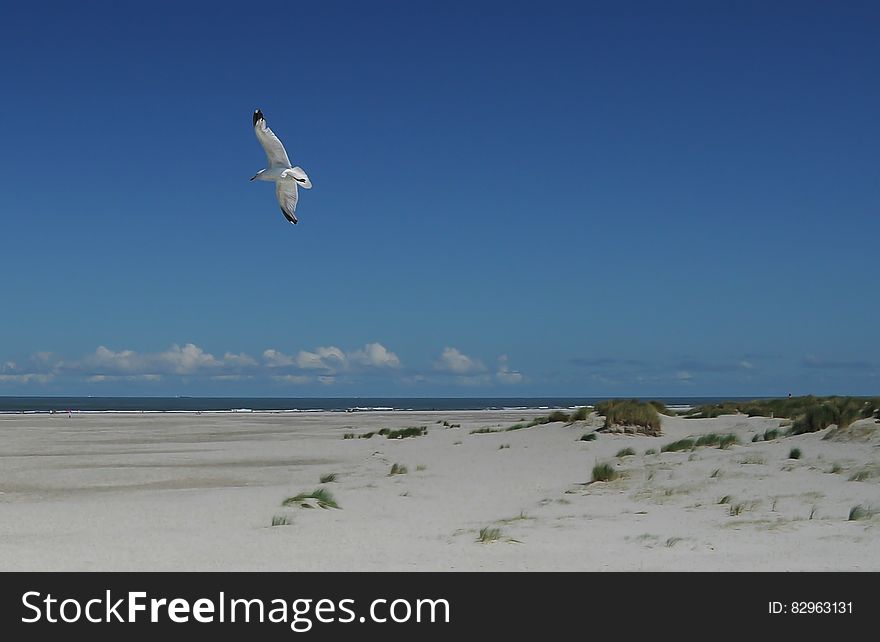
274	149
285	191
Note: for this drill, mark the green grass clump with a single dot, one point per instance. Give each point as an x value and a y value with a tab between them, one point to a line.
367	435
489	534
794	453
280	520
348	435
809	413
398	469
676	446
625	452
321	496
385	431
580	414
329	477
660	407
726	441
558	415
403	433
639	414
604	472
651	451
484	431
860	512
590	436
770	434
725	500
861	475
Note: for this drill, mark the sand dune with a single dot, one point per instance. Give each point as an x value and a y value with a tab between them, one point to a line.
132	491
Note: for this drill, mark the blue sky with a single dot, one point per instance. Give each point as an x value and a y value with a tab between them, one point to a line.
611	198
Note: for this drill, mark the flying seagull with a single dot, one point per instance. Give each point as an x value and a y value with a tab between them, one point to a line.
286	178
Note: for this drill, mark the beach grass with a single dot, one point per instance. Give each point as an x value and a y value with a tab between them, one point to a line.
590	436
632	413
625	452
280	520
403	433
807	413
398	469
677	446
860	512
328	478
580	414
321	496
604	472
794	453
489	534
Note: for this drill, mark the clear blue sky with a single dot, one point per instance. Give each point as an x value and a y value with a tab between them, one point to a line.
611	198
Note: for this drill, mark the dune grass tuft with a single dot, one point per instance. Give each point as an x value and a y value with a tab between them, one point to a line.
604	472
348	435
320	496
580	414
403	433
861	475
860	512
625	452
640	415
398	469
794	453
280	520
651	451
676	446
489	534
328	478
590	436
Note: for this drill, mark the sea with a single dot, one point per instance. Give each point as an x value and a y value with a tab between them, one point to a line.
311	404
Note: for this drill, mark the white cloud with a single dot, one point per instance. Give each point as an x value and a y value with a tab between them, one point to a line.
189	359
141	377
276	359
452	360
324	358
333	359
297	379
505	374
29	377
684	375
375	355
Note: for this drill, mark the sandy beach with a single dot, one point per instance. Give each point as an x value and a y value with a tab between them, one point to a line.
187	491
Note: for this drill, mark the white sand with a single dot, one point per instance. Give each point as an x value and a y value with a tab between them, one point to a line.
198	492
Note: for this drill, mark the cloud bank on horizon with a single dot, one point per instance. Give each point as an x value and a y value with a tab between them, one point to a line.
376	369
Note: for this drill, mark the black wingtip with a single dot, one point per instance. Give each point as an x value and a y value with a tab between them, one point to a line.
258	116
290	218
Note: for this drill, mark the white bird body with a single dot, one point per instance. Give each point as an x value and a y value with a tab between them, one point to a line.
286	178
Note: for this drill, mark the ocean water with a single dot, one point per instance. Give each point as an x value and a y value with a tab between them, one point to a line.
307	404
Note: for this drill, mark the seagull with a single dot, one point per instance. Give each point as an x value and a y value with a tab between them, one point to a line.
286	178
